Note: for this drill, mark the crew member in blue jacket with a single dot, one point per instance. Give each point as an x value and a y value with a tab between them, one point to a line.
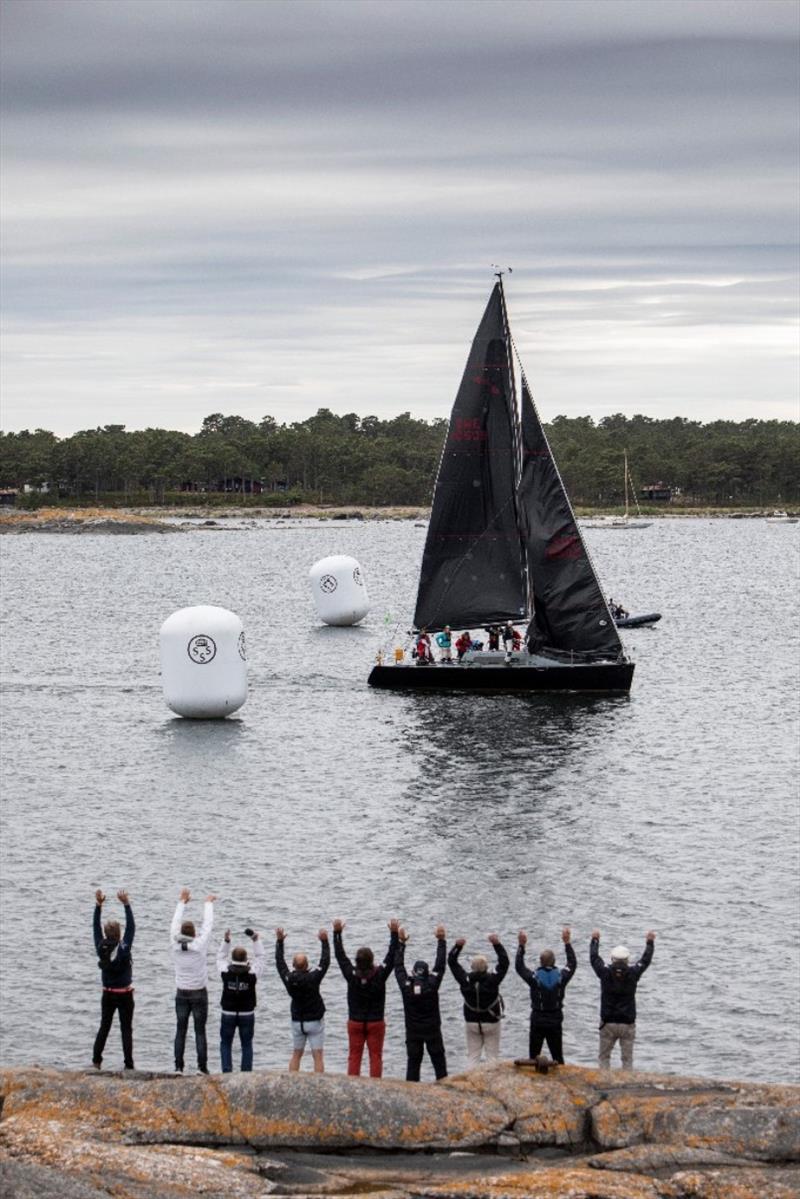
116	971
547	984
618	983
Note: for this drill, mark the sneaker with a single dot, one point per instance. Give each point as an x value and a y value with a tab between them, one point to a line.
202	1069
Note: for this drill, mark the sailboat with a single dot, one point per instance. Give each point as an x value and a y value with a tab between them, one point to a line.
621	522
503	546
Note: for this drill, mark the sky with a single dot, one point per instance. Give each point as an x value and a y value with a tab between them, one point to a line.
263	207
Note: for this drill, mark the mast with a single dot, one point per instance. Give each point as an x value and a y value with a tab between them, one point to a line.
513	402
625	452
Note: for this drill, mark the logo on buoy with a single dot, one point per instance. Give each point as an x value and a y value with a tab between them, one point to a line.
202	649
327	584
357	577
241	647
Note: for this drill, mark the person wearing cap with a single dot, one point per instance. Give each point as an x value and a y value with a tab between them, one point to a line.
189	951
445	642
618	982
307	1004
366	999
116	973
547	984
420	991
483	1003
240	972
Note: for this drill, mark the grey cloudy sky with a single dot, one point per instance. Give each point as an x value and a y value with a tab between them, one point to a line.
259	206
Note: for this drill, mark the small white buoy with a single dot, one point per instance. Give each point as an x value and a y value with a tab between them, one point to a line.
340	592
203	662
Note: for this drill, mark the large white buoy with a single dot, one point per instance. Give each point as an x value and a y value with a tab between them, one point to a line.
203	662
340	592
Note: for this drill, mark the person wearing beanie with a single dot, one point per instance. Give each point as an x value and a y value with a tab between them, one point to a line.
116	967
618	983
366	999
240	972
420	991
483	1003
547	984
189	951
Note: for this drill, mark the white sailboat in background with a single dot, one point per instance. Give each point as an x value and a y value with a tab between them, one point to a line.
621	522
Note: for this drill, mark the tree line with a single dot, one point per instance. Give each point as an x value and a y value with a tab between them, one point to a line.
330	459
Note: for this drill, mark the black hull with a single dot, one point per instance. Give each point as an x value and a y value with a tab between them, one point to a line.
638	622
597	676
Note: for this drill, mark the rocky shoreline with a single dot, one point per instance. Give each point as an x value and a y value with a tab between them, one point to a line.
504	1131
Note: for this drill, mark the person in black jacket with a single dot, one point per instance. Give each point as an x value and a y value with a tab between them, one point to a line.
308	1006
483	1004
239	971
420	991
618	982
116	967
547	984
366	999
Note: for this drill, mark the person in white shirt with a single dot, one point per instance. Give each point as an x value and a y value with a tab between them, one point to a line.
240	972
189	951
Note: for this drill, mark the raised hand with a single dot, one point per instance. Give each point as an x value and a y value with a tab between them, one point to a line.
123	897
338	925
566	935
493	939
595	934
651	936
461	942
185	895
323	934
227	935
403	935
211	898
394	924
280	935
99	897
254	937
440	932
522	937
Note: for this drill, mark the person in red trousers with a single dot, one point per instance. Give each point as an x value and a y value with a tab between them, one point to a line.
366	999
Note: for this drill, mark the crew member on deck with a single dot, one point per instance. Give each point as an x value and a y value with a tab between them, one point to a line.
463	643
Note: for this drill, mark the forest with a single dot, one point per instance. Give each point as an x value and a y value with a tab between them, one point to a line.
330	459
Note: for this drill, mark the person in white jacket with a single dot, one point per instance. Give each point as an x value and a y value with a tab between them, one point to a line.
189	951
240	972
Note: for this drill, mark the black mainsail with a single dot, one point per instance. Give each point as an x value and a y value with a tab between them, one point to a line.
472	568
569	610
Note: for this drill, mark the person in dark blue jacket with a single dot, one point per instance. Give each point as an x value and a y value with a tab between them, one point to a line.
420	991
116	971
618	983
547	984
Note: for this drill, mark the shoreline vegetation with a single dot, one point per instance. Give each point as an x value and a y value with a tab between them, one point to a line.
364	462
201	517
507	1131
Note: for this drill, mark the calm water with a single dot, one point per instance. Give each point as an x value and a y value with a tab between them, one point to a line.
674	809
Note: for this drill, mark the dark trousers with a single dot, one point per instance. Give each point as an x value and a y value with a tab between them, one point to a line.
553	1035
246	1023
416	1044
194	1003
115	1002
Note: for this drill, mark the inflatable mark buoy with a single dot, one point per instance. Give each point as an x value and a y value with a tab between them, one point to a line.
203	662
339	590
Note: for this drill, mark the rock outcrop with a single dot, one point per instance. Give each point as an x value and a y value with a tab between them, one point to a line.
500	1131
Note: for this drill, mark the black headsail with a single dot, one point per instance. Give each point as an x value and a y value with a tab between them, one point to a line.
472	570
569	608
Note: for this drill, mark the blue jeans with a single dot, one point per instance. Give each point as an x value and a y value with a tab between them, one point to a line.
194	1003
245	1022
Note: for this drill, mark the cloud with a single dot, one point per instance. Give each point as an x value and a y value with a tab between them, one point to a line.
275	207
